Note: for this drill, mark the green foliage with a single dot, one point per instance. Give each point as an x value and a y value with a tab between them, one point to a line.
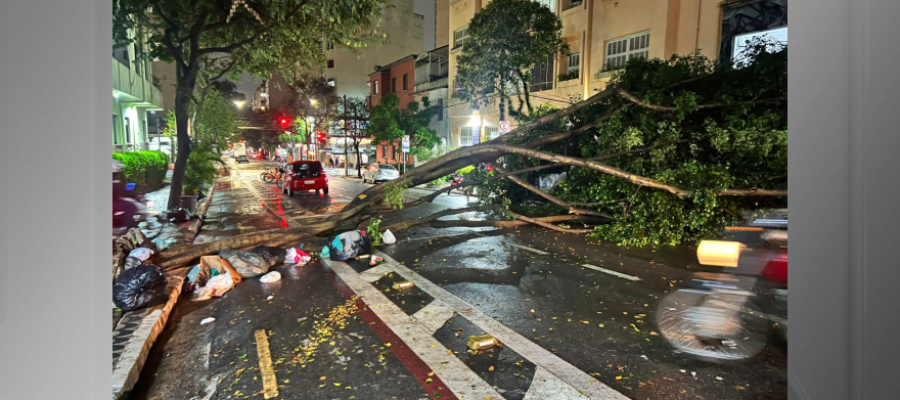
389	123
202	169
146	169
373	231
440	181
500	60
740	143
394	192
218	122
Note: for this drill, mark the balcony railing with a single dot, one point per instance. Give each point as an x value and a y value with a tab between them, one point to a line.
434	84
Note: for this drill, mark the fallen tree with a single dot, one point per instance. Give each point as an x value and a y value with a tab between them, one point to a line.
671	151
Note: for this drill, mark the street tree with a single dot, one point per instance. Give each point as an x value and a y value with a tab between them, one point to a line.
389	123
670	151
353	119
217	122
506	40
259	39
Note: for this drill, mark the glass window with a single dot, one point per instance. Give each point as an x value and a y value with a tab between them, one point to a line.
574	64
393	85
460	37
620	51
465	136
440	111
492	132
405	82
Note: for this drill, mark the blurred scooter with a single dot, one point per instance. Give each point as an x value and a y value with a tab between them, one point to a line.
728	314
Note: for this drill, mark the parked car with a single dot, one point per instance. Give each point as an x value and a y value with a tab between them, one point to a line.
380	172
303	176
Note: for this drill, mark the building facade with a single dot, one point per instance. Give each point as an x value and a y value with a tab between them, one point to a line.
136	100
603	35
349	72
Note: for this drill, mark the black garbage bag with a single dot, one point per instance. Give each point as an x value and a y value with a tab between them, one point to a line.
349	245
180	215
139	287
273	255
247	264
131	262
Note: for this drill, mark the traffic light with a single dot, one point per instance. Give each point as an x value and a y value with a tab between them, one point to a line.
285	122
321	136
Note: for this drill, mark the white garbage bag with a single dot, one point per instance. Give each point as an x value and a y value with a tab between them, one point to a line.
273	276
215	287
141	253
388	237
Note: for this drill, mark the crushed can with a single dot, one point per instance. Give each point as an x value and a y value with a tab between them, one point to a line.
376	260
403	285
482	342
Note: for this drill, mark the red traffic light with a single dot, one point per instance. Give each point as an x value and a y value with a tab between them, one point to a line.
285	123
321	136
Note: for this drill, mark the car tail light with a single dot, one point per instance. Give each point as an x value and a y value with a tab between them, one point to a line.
776	269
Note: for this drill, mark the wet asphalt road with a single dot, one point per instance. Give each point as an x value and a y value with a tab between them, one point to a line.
602	324
485	268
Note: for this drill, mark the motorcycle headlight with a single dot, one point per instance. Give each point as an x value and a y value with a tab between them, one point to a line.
719	253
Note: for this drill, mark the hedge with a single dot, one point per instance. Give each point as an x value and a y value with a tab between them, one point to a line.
146	169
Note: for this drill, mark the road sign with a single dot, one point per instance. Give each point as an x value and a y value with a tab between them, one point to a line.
504	126
406	144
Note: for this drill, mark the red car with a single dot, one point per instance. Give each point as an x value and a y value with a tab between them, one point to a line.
303	176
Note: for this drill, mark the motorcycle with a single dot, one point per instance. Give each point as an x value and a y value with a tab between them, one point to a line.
728	313
456	179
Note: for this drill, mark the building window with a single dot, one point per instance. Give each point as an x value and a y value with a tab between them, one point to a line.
127	130
492	132
331	82
465	136
122	55
440	113
620	51
542	76
405	82
330	46
779	35
376	88
573	4
393	85
330	64
460	37
551	4
115	129
574	64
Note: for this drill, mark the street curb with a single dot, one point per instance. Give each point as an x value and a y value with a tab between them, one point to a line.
128	367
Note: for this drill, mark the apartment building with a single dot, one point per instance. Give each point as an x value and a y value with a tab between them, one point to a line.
136	100
412	78
603	35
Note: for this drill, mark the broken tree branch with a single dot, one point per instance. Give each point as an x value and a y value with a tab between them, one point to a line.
553	199
634	100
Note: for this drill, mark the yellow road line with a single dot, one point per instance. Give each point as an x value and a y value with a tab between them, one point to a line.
270	383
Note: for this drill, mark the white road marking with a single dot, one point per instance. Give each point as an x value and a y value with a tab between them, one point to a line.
461	380
434	315
526	248
566	373
614	273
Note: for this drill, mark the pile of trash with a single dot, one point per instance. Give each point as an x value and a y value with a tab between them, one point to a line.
216	275
140	284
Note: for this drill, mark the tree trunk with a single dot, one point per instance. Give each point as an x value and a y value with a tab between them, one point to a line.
184	94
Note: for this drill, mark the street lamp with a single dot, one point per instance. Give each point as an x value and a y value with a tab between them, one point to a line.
239	104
